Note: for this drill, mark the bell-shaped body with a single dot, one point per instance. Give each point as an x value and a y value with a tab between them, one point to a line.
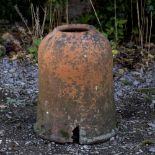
75	86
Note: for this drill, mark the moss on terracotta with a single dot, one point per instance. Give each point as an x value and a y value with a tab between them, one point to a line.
64	134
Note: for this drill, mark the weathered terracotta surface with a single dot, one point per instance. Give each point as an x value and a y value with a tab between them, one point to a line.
75	85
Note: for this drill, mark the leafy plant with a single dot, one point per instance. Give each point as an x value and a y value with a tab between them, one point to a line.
150	6
34	47
110	30
85	18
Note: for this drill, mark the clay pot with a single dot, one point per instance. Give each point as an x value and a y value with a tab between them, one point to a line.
75	86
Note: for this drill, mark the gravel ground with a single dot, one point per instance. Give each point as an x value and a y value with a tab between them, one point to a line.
20	78
134	93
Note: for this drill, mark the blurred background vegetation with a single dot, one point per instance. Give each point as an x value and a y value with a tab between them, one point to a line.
120	20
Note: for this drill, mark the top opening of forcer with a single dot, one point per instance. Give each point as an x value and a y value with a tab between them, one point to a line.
74	29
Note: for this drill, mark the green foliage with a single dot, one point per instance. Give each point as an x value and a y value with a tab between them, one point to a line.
150	6
114	48
149	91
34	47
86	18
135	31
148	142
125	19
148	98
110	29
7	10
126	82
2	50
107	18
57	3
115	52
108	21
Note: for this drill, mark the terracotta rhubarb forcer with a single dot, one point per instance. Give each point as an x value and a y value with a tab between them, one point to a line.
75	86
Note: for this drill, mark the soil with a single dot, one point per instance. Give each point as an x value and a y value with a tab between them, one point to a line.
134	95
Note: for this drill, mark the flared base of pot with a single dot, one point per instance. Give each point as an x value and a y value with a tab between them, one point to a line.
71	139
